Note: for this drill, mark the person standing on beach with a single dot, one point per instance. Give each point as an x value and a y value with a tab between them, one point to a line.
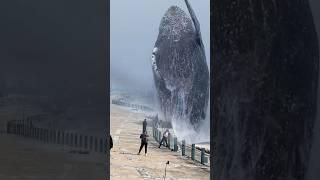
111	142
165	138
144	142
144	126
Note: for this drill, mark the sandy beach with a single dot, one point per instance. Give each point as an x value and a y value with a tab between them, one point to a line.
126	126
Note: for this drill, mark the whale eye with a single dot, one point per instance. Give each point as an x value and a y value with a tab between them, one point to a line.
155	50
153	56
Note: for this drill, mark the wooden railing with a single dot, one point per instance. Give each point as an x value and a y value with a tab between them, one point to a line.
189	150
80	141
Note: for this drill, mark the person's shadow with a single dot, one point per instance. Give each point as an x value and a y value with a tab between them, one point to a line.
129	153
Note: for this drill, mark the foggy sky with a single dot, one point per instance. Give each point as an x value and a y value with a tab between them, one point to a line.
133	31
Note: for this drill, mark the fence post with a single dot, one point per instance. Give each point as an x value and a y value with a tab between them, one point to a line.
14	128
159	140
32	132
39	133
19	128
183	148
91	142
54	136
169	140
80	140
75	140
101	145
193	148
44	135
67	138
27	129
22	129
48	135
40	137
202	155
8	127
58	137
62	138
175	144
158	136
95	144
71	139
35	132
85	141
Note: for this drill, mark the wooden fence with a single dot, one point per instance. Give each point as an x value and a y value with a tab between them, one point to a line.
73	139
189	150
137	106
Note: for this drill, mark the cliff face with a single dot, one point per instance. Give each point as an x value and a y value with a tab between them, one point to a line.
265	74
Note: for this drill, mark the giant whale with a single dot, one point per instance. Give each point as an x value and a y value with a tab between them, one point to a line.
180	71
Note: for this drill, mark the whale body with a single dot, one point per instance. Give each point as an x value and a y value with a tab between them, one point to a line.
180	71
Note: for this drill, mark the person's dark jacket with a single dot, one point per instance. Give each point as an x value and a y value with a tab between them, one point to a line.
111	142
144	138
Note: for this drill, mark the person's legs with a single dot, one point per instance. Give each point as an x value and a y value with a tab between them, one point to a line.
145	148
161	142
166	141
141	146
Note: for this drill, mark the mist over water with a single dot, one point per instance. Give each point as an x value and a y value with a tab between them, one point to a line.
134	28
